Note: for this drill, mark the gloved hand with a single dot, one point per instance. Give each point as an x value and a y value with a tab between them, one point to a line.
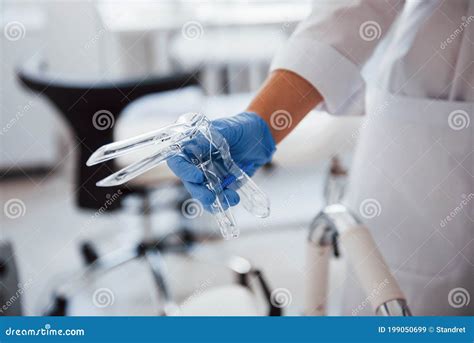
250	143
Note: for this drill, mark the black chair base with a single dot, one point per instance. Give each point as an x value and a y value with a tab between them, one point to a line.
150	252
91	109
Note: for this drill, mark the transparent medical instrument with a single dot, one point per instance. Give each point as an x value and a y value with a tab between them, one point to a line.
194	137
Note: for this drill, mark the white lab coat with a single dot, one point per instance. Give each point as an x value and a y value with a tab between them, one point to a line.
412	179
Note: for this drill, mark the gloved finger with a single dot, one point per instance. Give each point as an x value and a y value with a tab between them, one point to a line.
249	168
200	192
232	196
207	197
228	198
185	170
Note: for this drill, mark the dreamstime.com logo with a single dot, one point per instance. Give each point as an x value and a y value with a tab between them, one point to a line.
281	120
192	208
370	208
16	296
103	297
111	199
95	38
14	30
44	331
281	297
18	115
465	21
103	120
14	208
458	120
458	209
375	292
370	31
192	30
203	286
459	297
378	111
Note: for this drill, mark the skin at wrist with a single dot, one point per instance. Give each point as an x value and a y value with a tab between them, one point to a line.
288	96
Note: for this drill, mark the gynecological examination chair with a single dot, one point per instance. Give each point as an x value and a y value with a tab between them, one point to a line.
251	294
92	109
334	226
11	289
97	113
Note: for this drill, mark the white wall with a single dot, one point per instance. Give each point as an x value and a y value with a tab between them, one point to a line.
27	125
69	38
78	42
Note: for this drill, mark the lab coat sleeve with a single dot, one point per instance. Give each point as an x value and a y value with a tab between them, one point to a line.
330	48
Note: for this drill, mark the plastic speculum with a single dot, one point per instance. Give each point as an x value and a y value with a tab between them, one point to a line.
194	137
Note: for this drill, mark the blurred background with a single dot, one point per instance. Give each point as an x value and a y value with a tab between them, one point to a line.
79	74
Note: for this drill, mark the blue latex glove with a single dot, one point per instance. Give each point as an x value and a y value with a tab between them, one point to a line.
251	145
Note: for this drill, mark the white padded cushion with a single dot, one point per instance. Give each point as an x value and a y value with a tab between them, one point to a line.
229	300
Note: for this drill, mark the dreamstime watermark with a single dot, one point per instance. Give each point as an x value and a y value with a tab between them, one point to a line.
192	208
14	31
203	286
459	297
286	27
370	208
103	297
16	296
458	209
44	331
95	38
14	208
111	199
281	297
192	30
370	30
371	117
458	120
465	21
103	120
375	292
281	120
18	115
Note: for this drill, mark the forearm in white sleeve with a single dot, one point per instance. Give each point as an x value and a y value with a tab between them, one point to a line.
331	46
